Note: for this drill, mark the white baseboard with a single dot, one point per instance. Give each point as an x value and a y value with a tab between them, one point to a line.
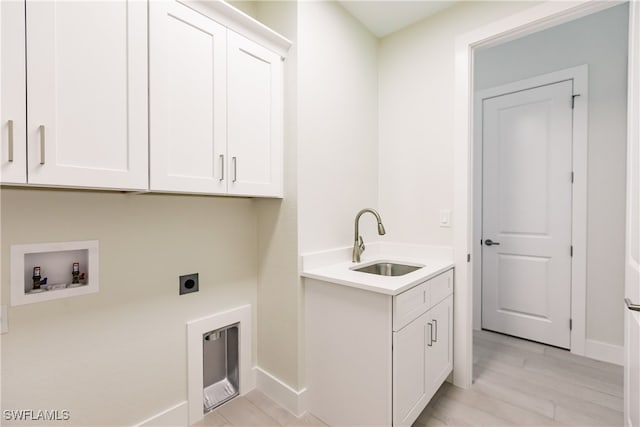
604	352
176	416
280	392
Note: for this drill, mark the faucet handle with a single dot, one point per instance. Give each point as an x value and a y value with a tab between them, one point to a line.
361	244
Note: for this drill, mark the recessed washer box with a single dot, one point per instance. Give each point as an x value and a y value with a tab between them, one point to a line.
56	264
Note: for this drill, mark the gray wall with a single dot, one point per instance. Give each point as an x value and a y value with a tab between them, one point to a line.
600	41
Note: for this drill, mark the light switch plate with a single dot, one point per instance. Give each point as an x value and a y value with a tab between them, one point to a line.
445	218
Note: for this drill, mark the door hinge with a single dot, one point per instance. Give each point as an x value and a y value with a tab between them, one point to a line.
570	324
573	101
468	257
572	176
571	250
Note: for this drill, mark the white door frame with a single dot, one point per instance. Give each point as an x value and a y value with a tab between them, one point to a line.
579	75
535	19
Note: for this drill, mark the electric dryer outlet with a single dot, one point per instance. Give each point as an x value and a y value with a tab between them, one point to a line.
188	283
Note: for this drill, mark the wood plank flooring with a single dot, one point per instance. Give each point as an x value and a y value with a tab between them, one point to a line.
522	383
516	383
255	409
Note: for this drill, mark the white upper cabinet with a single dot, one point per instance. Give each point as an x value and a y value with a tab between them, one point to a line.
254	118
87	94
173	96
188	100
13	120
216	101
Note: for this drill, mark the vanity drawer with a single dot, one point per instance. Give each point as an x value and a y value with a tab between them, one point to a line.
410	304
440	287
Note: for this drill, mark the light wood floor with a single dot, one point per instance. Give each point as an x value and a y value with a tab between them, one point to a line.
522	383
516	383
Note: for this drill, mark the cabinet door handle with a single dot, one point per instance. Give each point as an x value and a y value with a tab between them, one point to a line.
235	169
42	156
10	129
430	343
221	167
435	322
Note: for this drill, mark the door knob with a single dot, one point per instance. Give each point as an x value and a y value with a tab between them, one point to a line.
490	242
631	306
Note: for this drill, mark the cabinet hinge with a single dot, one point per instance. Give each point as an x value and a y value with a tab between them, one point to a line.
571	250
468	257
570	324
573	101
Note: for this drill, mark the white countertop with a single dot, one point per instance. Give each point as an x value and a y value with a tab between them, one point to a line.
335	266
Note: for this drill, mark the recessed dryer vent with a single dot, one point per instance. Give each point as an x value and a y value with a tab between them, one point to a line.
220	366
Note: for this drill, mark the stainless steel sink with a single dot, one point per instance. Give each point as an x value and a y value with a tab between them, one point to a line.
388	269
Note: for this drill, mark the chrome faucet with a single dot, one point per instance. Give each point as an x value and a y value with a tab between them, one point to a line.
358	243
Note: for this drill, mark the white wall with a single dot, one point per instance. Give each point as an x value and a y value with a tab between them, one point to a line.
337	126
279	288
331	165
599	40
119	356
416	86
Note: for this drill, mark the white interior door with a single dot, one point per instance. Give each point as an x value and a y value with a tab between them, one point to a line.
187	100
526	211
632	274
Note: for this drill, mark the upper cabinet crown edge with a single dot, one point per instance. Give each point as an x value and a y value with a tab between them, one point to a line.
238	21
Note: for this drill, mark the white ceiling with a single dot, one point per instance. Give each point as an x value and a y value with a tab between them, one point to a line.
384	17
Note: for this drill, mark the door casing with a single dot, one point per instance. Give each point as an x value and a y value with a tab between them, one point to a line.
580	78
529	21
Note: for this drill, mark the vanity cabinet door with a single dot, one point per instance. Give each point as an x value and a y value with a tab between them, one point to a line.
410	387
440	353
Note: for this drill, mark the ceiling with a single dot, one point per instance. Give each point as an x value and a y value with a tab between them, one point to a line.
384	17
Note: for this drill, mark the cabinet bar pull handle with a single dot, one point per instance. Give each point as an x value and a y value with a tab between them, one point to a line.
235	169
42	156
221	167
10	126
430	343
435	322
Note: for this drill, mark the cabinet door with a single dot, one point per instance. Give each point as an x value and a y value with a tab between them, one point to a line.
254	131
410	387
13	120
187	100
87	93
440	353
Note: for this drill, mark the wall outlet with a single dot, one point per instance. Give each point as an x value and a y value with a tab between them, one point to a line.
188	283
445	218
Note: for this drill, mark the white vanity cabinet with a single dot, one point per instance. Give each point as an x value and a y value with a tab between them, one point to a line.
85	69
375	358
216	102
422	361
